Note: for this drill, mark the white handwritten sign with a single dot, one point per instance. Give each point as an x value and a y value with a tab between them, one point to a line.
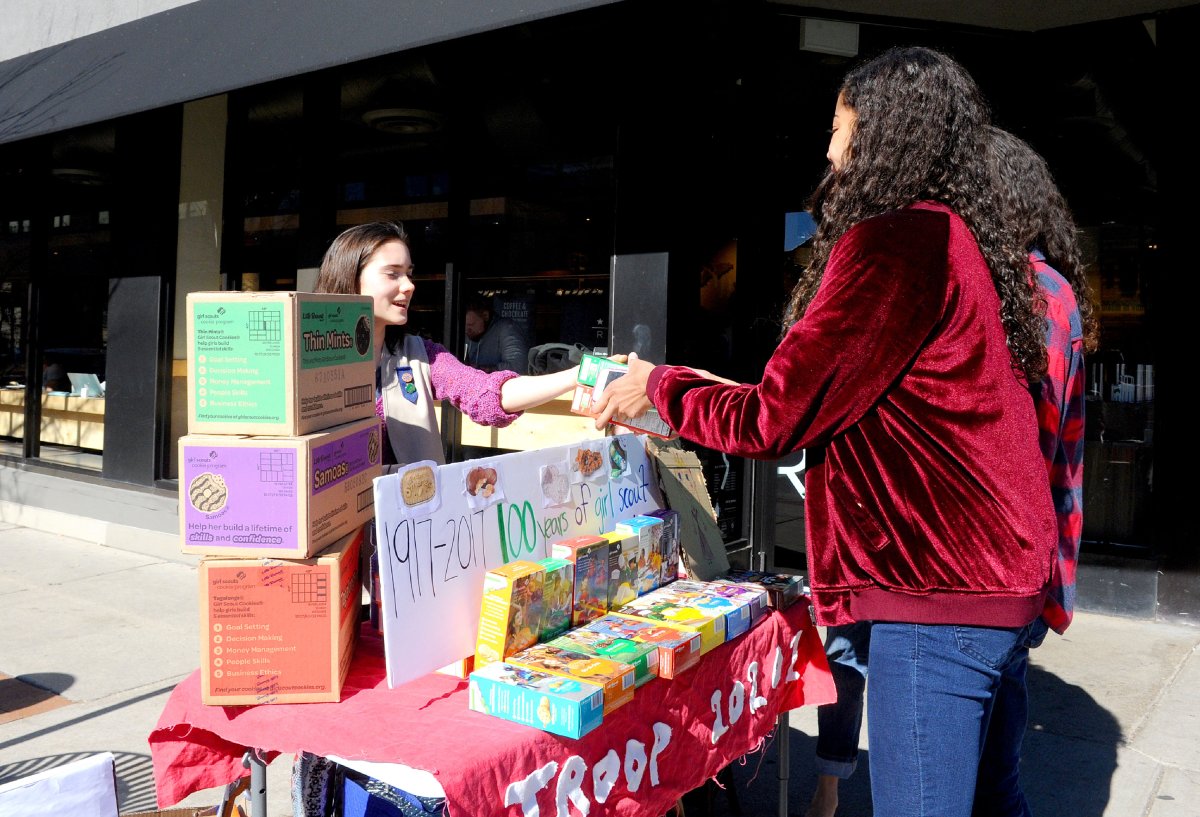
431	566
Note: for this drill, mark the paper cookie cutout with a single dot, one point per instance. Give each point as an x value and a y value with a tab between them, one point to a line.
587	463
556	486
418	488
481	484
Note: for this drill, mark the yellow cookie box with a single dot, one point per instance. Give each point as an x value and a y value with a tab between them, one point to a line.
510	614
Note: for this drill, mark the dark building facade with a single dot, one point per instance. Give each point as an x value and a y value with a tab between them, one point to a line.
563	160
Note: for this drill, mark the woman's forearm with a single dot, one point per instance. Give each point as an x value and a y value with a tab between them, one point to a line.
527	391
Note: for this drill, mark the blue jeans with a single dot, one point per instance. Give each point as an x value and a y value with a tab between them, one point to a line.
931	694
848	648
998	788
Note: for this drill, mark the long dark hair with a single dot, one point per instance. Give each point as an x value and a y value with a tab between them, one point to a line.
1031	200
349	253
920	134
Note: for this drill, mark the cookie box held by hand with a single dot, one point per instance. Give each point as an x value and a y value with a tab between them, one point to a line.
562	706
278	363
274	631
286	497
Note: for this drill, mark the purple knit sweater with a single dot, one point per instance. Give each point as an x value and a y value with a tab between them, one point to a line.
473	392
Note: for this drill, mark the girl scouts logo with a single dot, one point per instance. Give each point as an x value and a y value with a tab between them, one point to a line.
408	386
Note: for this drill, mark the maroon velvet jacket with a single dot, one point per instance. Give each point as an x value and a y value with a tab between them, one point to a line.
927	499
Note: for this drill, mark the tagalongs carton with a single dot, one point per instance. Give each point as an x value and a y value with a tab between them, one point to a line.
278	363
278	631
286	497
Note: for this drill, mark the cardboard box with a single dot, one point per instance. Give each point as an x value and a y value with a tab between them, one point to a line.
510	614
558	591
552	703
623	572
276	631
681	477
589	554
648	533
278	363
670	544
642	657
670	610
678	650
286	497
595	373
617	679
782	589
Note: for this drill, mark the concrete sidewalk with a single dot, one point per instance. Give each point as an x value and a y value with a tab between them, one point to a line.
95	637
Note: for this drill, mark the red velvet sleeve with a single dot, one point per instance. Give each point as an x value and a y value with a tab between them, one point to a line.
884	290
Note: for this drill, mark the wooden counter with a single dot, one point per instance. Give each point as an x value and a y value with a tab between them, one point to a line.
66	420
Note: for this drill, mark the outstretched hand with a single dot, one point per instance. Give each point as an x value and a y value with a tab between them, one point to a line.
625	396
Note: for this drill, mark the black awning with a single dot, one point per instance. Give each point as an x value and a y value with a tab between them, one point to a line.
213	46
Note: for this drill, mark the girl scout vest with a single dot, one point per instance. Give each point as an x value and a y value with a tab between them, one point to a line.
407	390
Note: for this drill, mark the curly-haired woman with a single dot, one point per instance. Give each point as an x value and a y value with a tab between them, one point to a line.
903	372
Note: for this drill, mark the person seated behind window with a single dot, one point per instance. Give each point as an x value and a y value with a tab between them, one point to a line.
494	343
54	377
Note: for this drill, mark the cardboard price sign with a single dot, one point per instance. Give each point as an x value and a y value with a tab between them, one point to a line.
681	478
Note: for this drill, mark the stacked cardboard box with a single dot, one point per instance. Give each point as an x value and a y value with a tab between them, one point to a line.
275	487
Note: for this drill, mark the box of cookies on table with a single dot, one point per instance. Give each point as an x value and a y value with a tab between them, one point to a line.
642	657
510	614
570	707
678	650
617	679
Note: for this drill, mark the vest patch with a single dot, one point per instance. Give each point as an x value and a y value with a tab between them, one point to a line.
407	387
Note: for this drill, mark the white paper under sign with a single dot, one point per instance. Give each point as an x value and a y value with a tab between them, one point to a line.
84	787
431	567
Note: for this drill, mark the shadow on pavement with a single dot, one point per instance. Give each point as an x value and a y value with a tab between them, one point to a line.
135	775
1068	760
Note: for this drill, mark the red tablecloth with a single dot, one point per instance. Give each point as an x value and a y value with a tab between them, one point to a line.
673	736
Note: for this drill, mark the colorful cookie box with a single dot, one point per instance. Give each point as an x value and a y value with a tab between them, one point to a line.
670	543
558	588
562	706
782	589
511	611
617	679
678	650
674	611
642	657
286	497
756	595
278	363
597	372
648	532
737	610
589	554
623	570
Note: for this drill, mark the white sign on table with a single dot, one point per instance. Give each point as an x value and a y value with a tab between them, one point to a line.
441	528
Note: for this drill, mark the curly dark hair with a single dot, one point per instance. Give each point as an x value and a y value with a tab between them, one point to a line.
919	136
1031	200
